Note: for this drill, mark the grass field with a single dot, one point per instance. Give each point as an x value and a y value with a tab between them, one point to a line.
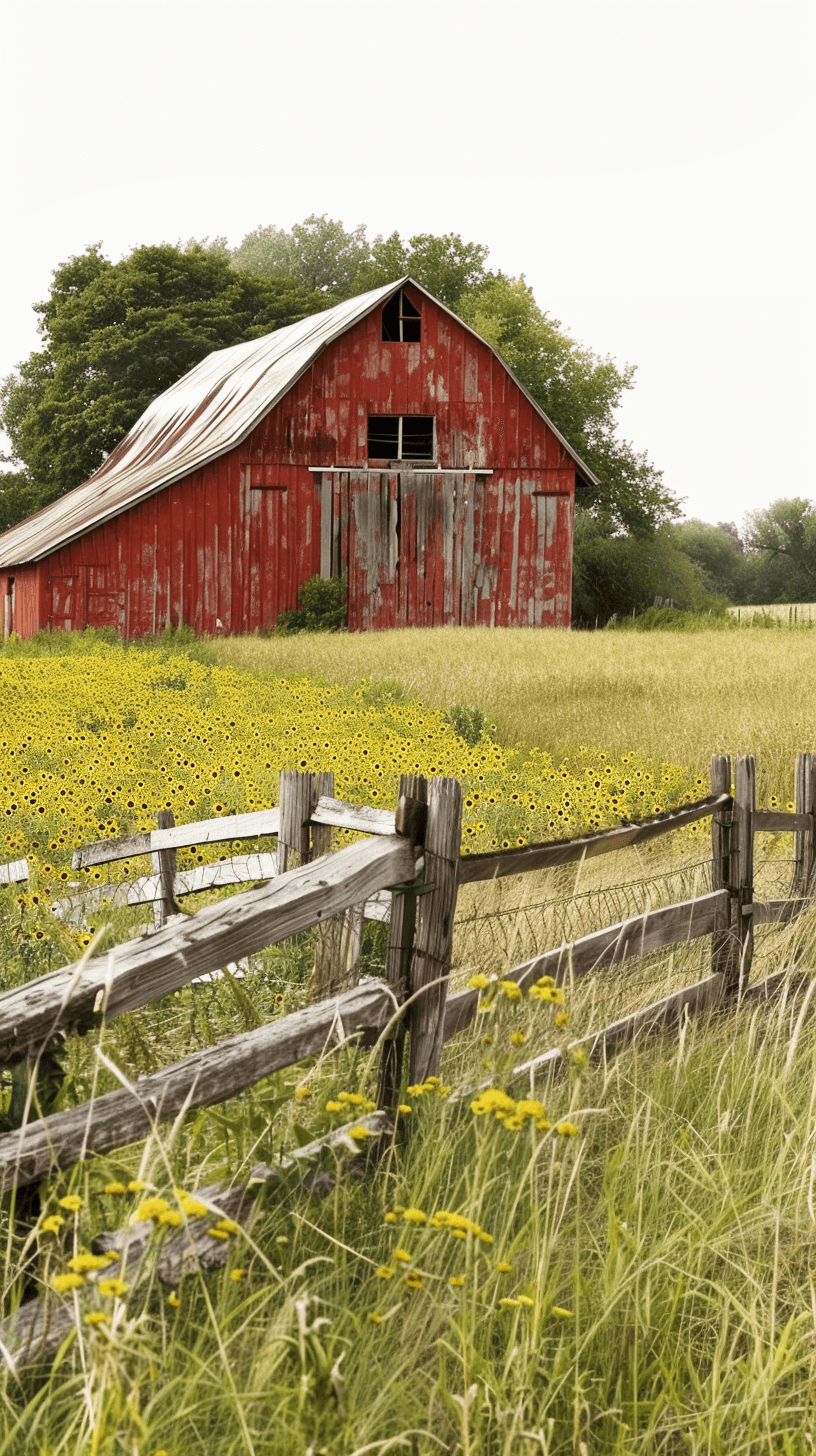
637	1277
667	696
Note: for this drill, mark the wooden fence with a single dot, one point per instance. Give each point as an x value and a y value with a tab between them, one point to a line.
411	858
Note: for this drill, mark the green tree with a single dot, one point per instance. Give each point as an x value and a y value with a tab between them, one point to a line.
580	392
720	554
621	574
114	336
448	267
319	253
783	539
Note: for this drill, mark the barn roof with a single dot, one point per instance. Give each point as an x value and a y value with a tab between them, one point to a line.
204	414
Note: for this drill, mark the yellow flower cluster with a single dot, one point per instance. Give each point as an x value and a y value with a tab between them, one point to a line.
430	1085
95	744
544	989
495	1103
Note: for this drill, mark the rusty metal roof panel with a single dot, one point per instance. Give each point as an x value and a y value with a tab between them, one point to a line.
204	414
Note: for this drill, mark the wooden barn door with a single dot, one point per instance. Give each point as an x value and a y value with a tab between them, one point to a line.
408	542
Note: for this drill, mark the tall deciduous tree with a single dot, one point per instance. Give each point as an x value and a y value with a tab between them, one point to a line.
114	336
785	535
319	253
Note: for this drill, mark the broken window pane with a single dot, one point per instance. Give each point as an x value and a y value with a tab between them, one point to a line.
401	321
383	437
417	437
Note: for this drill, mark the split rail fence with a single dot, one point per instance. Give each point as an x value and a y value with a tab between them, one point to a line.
407	869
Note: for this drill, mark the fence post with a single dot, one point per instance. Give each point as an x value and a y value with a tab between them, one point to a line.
164	866
295	797
432	954
803	846
722	945
401	935
742	875
338	941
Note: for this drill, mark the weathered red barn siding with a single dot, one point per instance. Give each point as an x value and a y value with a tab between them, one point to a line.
231	543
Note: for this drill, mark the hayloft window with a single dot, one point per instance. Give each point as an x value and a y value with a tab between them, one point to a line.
401	322
400	437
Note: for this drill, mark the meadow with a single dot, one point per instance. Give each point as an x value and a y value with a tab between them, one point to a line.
621	1261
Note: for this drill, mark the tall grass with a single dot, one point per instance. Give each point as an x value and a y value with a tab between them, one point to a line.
667	695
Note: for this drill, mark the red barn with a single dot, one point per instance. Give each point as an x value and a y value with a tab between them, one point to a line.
382	440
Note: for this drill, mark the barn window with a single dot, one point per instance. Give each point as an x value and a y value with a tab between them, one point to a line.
400	437
401	322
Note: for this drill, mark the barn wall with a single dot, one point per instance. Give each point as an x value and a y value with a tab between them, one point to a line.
232	543
21	600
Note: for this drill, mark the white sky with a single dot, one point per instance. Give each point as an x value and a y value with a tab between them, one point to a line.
647	164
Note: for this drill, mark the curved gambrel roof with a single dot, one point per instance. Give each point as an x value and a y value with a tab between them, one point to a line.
204	414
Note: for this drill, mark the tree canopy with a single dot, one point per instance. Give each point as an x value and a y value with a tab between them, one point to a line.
114	336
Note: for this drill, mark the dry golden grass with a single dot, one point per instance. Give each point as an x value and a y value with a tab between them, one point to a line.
668	695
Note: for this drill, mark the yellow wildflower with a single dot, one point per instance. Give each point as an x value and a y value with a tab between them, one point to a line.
173	1300
508	1303
566	1129
383	1272
456	1281
529	1107
116	1189
150	1209
136	1185
360	1133
302	1092
112	1288
72	1202
401	1256
191	1206
414	1215
236	1275
390	1218
63	1282
84	1263
96	1317
171	1218
52	1224
561	1313
563	1019
376	1319
413	1281
511	990
526	1300
404	1107
217	1233
334	1107
479	982
517	1038
503	1267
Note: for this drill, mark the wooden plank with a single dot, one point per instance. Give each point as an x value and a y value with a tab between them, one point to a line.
135	973
770	912
201	1080
636	937
741	876
339	940
475	867
164	868
720	855
208	831
14	872
430	965
36	1330
412	815
361	818
239	870
768	822
296	798
803	844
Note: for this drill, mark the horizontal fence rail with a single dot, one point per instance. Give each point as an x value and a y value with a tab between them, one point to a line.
474	867
139	971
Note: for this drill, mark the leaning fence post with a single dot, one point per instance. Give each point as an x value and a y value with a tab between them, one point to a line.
413	791
338	940
722	944
164	866
742	875
434	944
803	846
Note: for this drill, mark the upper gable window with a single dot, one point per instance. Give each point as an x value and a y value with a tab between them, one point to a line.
401	322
